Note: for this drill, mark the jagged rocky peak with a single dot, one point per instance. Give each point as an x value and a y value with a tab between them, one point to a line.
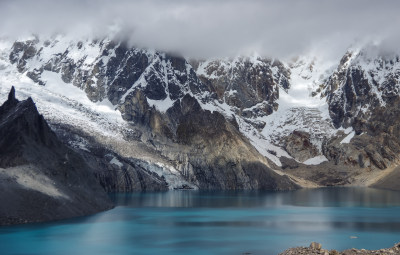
175	114
250	85
107	69
363	96
11	101
363	81
22	125
40	178
23	51
127	77
11	96
174	107
112	70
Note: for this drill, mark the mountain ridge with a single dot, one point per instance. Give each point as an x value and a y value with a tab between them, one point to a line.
146	86
41	179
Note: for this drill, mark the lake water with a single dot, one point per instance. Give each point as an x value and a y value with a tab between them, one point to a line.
192	222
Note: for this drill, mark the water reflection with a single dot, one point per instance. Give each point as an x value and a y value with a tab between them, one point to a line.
326	197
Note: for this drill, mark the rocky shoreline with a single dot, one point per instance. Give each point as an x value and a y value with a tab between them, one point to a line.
316	248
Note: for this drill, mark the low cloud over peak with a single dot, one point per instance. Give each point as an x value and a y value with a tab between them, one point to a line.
207	28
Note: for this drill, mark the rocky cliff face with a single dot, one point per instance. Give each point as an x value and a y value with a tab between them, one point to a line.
169	110
218	156
363	94
105	69
299	146
208	124
249	85
114	71
41	179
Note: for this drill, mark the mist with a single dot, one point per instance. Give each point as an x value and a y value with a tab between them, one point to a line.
204	29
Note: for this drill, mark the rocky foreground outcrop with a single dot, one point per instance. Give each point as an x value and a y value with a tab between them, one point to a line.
40	178
316	249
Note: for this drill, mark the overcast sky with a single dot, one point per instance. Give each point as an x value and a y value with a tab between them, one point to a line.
212	28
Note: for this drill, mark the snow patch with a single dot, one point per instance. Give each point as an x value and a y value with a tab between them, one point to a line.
315	160
161	105
116	162
348	130
348	138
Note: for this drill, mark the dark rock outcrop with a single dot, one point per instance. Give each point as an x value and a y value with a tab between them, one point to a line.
41	179
299	146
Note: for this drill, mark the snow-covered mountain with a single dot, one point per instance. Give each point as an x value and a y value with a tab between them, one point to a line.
201	123
363	95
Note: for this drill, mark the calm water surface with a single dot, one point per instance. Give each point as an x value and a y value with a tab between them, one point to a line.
192	222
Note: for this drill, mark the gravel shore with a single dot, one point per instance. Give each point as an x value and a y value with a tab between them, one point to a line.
316	248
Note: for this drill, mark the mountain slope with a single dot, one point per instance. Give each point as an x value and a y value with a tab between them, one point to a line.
157	113
363	95
159	97
41	179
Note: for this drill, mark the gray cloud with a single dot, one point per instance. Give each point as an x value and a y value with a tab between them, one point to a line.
208	28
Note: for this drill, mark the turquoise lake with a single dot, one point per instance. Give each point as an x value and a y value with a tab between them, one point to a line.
194	222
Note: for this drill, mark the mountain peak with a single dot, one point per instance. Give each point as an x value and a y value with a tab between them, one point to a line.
11	101
11	95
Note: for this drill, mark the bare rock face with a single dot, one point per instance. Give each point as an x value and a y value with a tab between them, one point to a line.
21	126
41	179
114	172
219	156
299	146
363	94
251	85
22	52
362	84
162	96
112	72
364	151
213	153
